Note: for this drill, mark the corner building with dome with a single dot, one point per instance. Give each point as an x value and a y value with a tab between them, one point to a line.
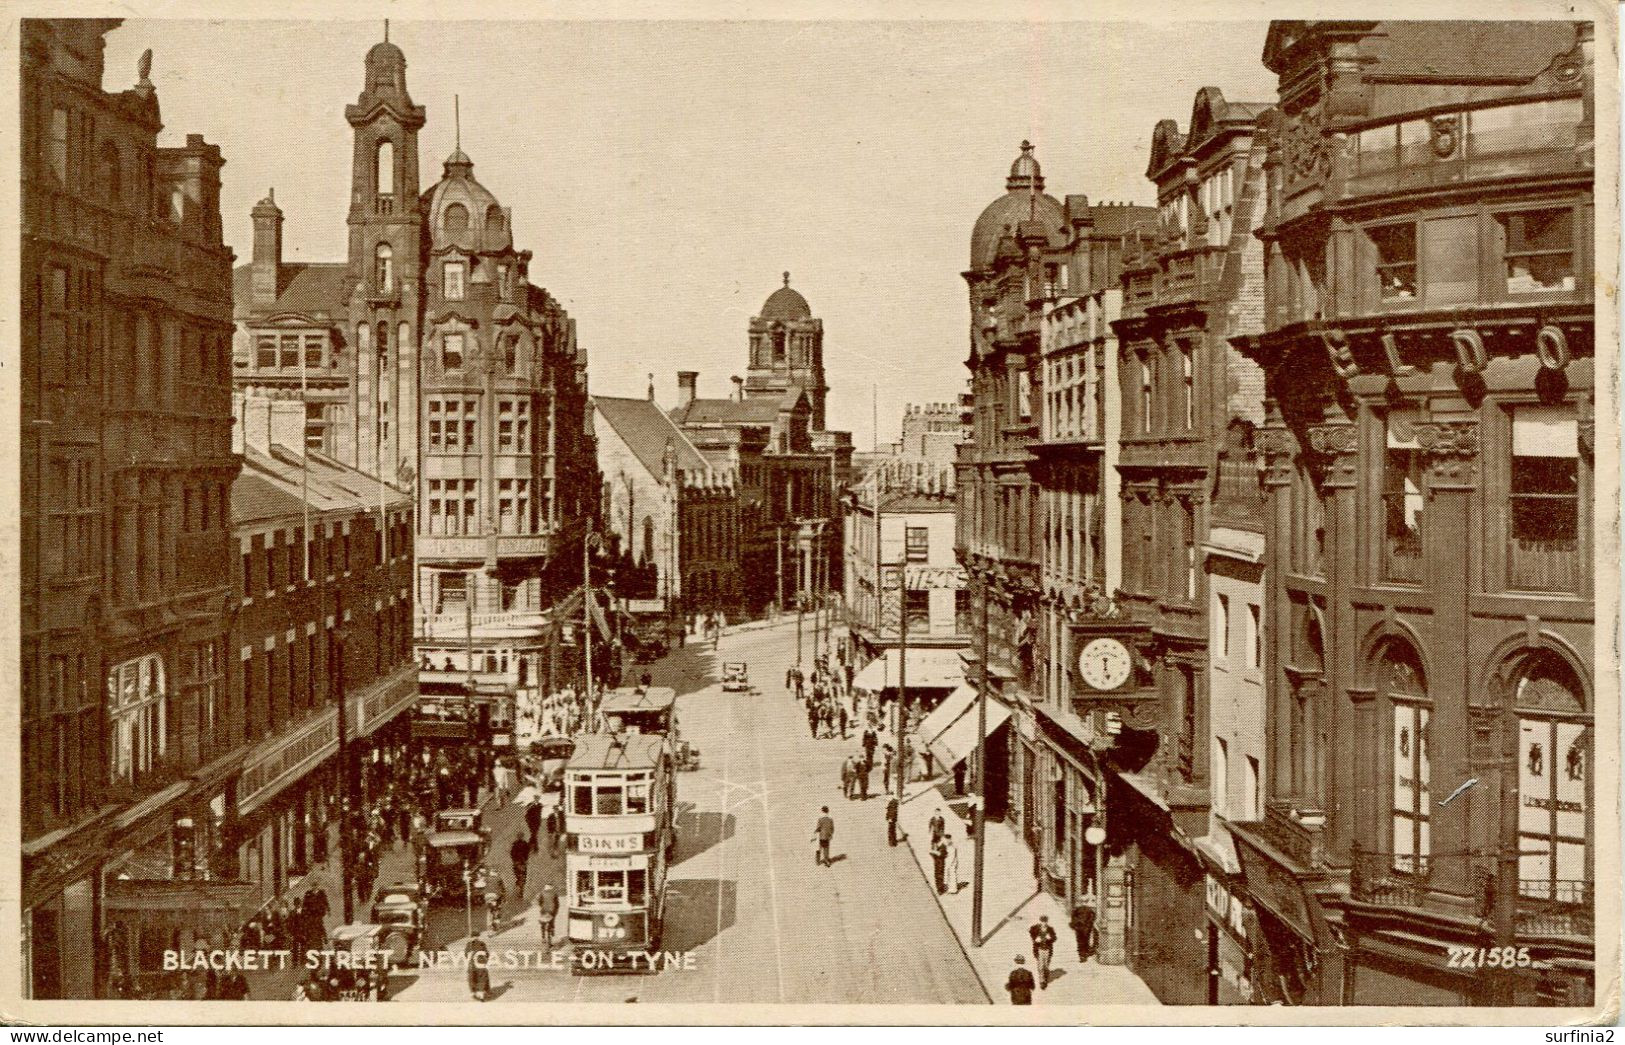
428	358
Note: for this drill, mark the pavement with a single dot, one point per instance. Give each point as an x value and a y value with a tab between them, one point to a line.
1012	903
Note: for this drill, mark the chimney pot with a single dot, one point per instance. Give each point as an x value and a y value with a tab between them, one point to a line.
686	382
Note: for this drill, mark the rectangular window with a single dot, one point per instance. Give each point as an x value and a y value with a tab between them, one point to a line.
1537	249
1255	636
270	570
265	352
452	593
1554	783
1402	509
58	147
1188	387
1024	395
1252	795
1220	789
1187	522
289	344
917	542
451	351
1221	628
314	350
1396	260
1410	778
917	606
1543	551
453	271
1145	396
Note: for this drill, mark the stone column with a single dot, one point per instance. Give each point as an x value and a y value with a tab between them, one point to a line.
1349	767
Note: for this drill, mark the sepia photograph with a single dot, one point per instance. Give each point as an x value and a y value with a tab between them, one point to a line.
819	519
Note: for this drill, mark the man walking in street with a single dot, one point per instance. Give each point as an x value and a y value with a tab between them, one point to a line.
1043	935
812	720
1020	983
939	863
885	768
823	833
547	910
847	773
1083	926
939	826
891	821
870	742
533	821
864	766
555	827
519	857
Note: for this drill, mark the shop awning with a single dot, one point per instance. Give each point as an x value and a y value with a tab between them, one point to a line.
956	743
943	715
927	669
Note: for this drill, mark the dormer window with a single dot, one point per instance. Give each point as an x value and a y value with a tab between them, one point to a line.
455	221
453	274
451	351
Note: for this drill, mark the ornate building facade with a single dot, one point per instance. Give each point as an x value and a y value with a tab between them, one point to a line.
127	468
1428	454
428	357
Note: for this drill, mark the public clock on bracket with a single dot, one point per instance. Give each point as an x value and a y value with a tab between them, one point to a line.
1105	663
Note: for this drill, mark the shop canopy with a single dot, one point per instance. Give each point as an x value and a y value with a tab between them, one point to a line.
928	668
956	741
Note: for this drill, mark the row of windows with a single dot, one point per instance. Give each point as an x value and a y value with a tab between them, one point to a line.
1225	644
274	568
1152	411
453	424
454	507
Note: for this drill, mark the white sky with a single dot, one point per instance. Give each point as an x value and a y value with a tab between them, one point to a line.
664	174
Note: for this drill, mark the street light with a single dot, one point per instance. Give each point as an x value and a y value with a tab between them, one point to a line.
981	780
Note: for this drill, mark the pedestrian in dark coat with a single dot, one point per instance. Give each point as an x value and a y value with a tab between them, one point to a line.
547	913
840	715
939	863
823	833
519	857
479	967
555	827
1083	927
847	774
891	821
864	767
533	821
885	768
1043	934
812	720
870	742
1020	983
938	825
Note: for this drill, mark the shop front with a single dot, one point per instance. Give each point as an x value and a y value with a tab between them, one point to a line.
1167	939
1297	959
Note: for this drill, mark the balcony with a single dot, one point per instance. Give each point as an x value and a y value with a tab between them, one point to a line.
1545	907
1555	908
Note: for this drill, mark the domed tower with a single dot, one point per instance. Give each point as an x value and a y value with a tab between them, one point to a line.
787	351
385	247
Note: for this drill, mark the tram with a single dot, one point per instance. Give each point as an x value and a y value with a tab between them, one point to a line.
619	807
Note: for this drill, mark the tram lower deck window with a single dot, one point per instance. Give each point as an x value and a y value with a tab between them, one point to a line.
611	887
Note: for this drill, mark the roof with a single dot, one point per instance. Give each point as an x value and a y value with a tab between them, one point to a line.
785	304
617	751
655	698
311	289
1023	200
485	223
647	431
274	486
454	838
759	411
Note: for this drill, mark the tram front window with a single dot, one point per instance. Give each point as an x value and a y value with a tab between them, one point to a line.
637	798
609	801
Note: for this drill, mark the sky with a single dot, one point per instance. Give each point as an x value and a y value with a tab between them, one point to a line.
665	174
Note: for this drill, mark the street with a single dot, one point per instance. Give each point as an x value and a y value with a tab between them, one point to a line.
745	899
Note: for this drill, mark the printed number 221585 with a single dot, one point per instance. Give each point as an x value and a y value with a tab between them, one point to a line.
1488	958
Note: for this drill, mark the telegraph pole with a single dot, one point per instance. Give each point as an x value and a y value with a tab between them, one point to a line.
981	781
586	613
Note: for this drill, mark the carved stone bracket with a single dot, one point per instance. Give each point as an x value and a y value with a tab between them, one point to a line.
1451	451
1338	444
1276	448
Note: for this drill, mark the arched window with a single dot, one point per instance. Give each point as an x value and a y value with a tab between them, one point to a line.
383	347
383	273
1554	780
455	219
778	345
1400	678
648	540
384	166
109	170
493	220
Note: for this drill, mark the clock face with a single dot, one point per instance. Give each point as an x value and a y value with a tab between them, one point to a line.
1105	664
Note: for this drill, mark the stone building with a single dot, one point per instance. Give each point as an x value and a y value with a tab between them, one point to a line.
770	433
1428	455
428	357
1191	281
126	473
675	517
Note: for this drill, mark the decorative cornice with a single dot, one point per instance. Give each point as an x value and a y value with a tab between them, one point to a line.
1451	451
1334	440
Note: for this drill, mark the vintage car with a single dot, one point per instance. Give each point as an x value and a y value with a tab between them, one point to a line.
461	819
400	905
446	856
543	766
357	962
736	677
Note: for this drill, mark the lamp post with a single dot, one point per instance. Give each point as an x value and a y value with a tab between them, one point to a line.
902	681
335	685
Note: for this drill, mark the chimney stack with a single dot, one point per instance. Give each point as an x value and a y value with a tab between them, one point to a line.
265	271
687	381
739	388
